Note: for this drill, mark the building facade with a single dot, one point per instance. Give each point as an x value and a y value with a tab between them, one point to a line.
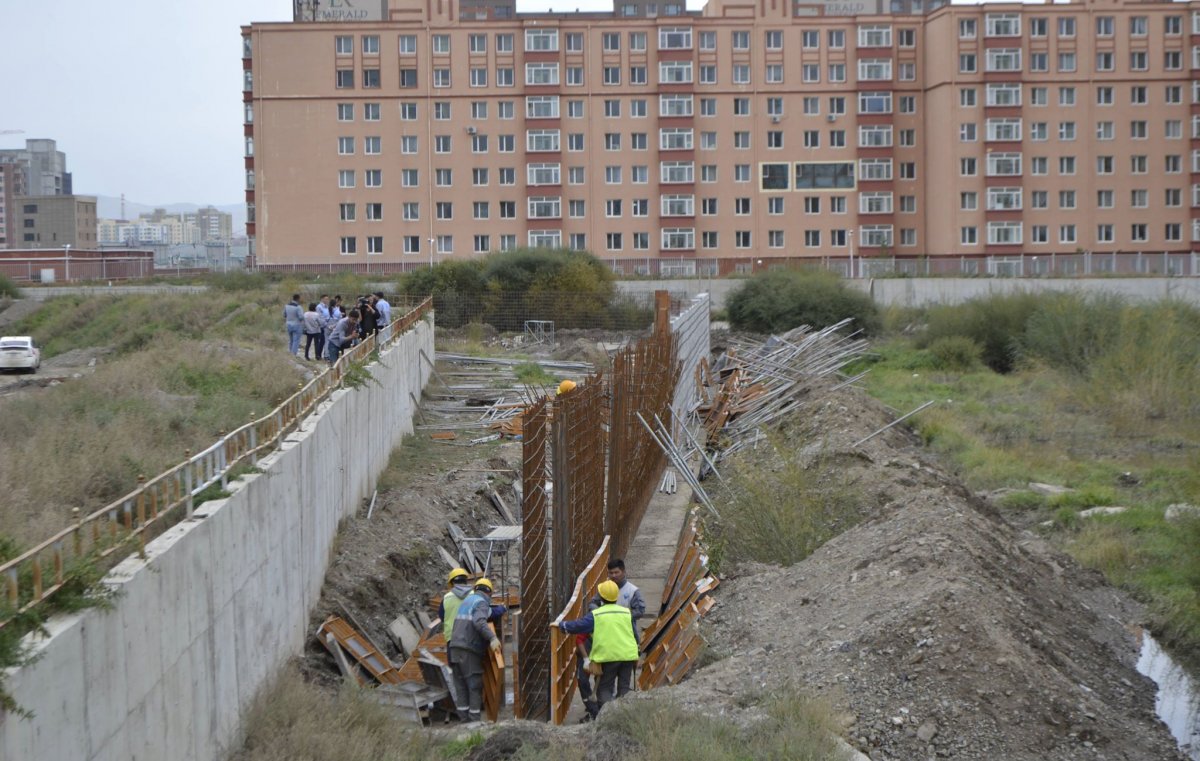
55	221
747	131
44	167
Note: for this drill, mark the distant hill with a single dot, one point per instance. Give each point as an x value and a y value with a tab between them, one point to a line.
109	207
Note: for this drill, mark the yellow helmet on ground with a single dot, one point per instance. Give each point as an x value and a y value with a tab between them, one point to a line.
609	590
565	386
485	583
456	574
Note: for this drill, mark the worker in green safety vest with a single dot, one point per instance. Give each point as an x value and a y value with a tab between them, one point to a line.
460	587
614	642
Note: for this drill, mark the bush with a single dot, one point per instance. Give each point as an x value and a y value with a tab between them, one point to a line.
784	512
958	353
779	300
9	289
995	323
1070	331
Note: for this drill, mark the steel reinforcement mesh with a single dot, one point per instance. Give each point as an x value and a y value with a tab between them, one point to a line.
533	667
643	381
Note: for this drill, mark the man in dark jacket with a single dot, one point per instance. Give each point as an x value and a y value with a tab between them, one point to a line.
470	640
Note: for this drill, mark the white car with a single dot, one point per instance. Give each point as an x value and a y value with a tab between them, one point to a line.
19	353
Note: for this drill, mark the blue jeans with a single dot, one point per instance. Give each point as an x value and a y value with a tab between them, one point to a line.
332	351
294	333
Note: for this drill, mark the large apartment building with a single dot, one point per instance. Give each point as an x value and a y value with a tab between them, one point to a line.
751	130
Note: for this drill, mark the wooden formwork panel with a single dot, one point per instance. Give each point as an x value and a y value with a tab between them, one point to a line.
562	645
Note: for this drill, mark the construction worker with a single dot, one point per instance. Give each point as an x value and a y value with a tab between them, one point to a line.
584	671
628	596
564	387
614	642
469	641
460	587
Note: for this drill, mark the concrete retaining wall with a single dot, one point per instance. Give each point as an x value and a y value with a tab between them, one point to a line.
903	291
691	329
221	602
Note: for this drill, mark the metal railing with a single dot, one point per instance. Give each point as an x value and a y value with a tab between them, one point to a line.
38	573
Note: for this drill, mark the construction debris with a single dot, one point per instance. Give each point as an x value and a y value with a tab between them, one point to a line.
404	635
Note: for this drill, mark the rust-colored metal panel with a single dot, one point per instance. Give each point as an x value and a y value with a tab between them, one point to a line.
532	681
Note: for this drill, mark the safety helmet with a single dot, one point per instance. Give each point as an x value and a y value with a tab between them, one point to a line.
485	583
455	574
565	386
609	590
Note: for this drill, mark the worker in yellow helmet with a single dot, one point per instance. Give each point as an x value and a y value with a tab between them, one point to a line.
460	587
565	386
614	642
470	638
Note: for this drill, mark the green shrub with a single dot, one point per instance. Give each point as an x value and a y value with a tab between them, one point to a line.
238	280
1022	500
779	300
958	353
995	323
9	289
1069	331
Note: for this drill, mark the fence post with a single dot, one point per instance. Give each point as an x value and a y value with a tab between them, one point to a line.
141	516
187	480
77	534
253	441
223	460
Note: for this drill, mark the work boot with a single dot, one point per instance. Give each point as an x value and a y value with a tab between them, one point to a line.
593	708
473	716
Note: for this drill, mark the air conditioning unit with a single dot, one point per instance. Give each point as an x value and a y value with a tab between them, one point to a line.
775	120
831	118
471	130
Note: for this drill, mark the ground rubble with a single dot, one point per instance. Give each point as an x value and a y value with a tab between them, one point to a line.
936	629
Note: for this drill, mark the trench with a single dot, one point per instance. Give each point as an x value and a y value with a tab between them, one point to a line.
1178	700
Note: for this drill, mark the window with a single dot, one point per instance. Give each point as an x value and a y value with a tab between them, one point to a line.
907	38
1038	96
1004	59
1138	232
677	206
837	73
774	73
1104	96
345	179
1066	199
577	208
837	38
1104	165
741	74
640	207
575	42
1138	26
1105	61
675	72
1003	164
1066	131
1002	25
1173	26
774	205
676	172
479	177
875	36
967	63
508	210
875	69
1066	26
875	236
966	97
775	139
638	142
812	138
372	145
1173	197
810	39
1138	60
1039	62
1038	131
1104	199
441	110
675	38
612	175
742	239
409	178
542	140
545	207
708	40
344	79
541	39
346	212
637	42
1004	233
837	138
824	175
837	106
1104	26
443	178
708	74
879	136
968	201
575	142
874	102
639	174
1137	95
543	174
637	75
612	75
349	245
968	236
612	141
875	169
1039	234
967	167
879	202
541	74
345	112
612	108
966	132
966	29
740	40
1066	62
1066	96
1004	130
678	238
343	45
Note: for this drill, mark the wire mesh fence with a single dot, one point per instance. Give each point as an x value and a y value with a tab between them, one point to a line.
533	668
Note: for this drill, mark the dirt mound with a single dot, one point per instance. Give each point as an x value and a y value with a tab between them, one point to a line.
936	627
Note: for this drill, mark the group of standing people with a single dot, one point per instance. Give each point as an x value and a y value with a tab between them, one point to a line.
606	638
328	328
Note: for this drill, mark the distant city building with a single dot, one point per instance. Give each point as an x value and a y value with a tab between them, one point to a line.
12	184
44	167
214	224
207	225
401	131
54	221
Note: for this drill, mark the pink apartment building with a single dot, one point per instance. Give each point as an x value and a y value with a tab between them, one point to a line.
397	132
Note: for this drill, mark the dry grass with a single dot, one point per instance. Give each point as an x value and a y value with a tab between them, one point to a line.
296	721
173	385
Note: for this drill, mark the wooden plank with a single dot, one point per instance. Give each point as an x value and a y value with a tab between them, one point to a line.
493	682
